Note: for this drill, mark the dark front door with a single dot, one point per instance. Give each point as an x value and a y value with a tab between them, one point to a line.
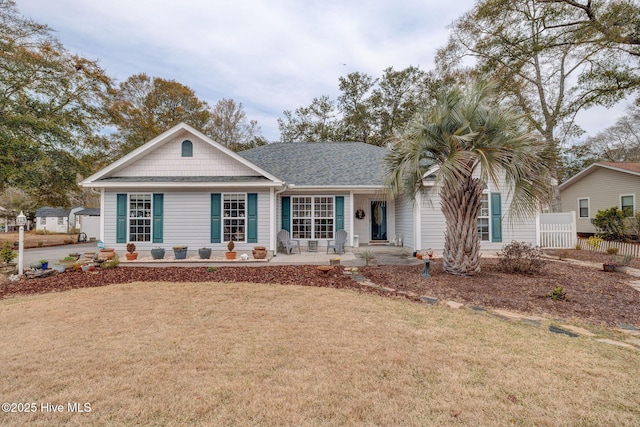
378	220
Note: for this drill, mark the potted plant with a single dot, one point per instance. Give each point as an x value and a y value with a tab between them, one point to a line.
259	252
107	253
157	253
44	264
230	254
205	253
618	263
131	251
180	252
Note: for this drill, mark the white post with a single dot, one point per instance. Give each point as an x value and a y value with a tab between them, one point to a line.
21	220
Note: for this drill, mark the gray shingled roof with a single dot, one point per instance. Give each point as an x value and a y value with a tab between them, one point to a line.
321	163
49	212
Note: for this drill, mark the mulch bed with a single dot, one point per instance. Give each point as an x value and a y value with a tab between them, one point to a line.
593	296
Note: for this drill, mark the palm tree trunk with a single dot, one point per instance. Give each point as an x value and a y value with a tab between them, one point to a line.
460	204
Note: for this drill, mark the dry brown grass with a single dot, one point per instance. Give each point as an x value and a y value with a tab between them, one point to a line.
34	240
244	354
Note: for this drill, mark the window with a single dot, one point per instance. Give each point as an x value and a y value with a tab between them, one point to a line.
187	148
583	208
43	220
60	220
140	217
312	217
234	217
483	218
627	205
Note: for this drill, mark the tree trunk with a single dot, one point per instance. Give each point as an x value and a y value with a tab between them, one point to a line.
460	204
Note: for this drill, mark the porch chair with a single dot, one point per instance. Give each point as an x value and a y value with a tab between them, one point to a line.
288	243
338	243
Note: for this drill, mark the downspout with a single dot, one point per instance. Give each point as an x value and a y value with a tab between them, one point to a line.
274	230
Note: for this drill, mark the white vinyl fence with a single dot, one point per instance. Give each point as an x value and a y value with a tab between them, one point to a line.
557	230
624	248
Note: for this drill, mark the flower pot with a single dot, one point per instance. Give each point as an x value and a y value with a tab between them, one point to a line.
157	253
205	253
608	267
259	252
620	268
59	267
131	256
44	265
230	255
107	253
180	253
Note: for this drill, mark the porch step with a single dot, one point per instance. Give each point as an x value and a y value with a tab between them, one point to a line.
378	242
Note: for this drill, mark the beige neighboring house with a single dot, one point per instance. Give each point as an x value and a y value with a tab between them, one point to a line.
601	186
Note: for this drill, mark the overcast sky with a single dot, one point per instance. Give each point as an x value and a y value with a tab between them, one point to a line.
269	55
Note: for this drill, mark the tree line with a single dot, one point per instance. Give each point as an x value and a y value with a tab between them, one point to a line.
62	116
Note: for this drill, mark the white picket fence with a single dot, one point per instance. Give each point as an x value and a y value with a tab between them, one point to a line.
557	230
623	247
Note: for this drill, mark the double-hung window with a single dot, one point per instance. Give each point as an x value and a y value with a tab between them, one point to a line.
483	218
627	204
140	217
583	207
312	217
234	212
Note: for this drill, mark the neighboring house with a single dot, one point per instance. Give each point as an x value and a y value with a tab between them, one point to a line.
598	187
89	222
57	220
182	188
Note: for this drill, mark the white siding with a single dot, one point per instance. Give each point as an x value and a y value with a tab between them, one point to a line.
404	215
187	219
51	225
167	160
434	225
603	187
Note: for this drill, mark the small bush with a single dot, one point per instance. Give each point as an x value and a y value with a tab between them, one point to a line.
520	257
558	294
7	254
609	224
594	242
111	263
612	251
211	269
578	246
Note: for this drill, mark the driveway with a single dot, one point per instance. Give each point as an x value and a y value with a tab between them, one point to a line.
55	253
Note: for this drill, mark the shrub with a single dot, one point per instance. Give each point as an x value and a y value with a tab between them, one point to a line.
610	224
211	269
520	257
558	294
6	253
111	263
612	251
594	242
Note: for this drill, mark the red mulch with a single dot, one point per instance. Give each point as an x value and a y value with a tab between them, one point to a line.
593	295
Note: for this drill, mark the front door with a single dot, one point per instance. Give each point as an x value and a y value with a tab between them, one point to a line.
378	220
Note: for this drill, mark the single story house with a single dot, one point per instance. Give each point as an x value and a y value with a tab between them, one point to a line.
89	222
57	220
182	188
598	187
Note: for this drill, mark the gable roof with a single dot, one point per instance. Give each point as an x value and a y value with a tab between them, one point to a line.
322	164
48	212
105	177
632	168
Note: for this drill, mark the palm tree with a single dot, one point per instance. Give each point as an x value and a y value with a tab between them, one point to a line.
472	141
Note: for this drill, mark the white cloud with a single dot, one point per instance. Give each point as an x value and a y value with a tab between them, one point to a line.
269	55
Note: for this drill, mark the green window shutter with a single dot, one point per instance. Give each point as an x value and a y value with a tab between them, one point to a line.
286	213
158	217
121	218
216	217
252	218
339	213
496	218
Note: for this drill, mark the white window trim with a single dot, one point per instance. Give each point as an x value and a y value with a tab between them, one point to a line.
627	195
246	198
129	217
588	199
488	193
313	217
